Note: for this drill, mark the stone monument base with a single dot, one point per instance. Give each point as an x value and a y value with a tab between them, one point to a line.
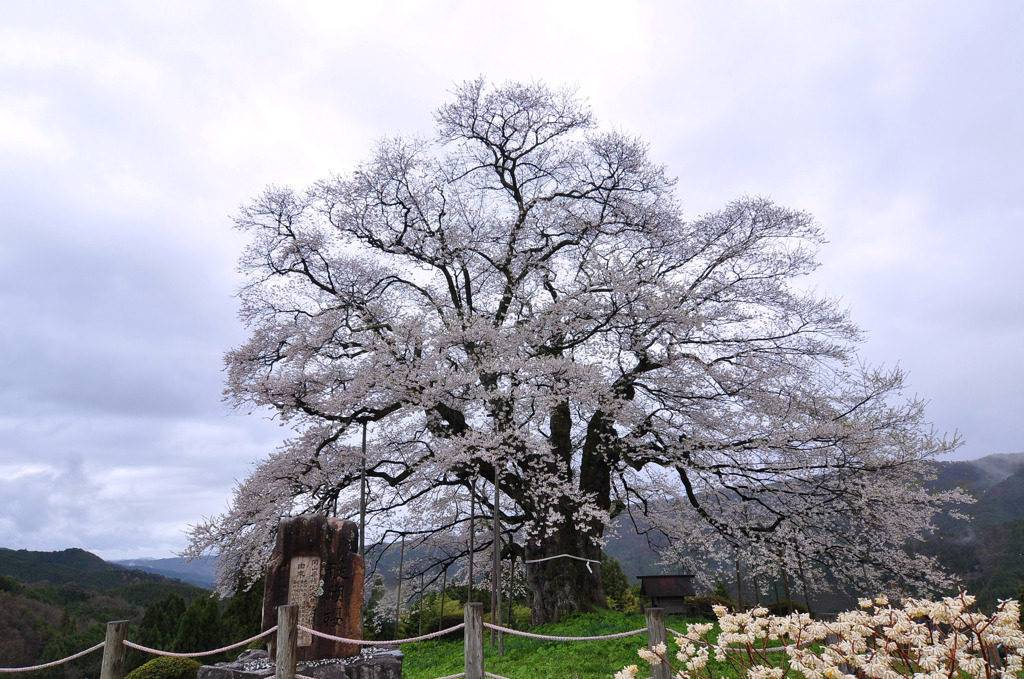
372	663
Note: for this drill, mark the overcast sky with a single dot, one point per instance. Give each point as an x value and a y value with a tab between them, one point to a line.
131	132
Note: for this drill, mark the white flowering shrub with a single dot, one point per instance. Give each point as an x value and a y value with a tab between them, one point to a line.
921	639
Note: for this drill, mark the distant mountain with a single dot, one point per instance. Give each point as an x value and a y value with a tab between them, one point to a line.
59	568
979	474
201	571
76	567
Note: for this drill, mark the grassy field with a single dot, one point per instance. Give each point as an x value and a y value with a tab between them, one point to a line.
532	659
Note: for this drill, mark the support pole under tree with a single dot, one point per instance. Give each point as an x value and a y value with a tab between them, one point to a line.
398	602
739	583
287	639
113	650
472	530
656	635
803	579
785	586
496	565
474	640
419	646
511	580
444	586
362	498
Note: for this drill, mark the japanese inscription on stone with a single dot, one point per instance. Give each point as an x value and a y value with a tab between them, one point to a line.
304	587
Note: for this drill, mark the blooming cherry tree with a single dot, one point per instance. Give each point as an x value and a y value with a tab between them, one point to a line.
521	299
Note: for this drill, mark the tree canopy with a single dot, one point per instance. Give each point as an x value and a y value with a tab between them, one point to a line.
522	296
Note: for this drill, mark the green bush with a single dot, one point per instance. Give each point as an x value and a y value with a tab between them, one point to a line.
166	668
783	607
703	606
10	585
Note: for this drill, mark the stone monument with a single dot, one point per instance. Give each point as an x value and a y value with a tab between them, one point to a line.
316	565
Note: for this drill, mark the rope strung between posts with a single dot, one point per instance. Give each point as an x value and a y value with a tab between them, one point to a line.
378	642
138	647
493	676
546	637
567	556
453	676
76	656
728	649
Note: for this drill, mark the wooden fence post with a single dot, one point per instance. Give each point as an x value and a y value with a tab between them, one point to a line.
832	640
991	655
113	650
287	638
656	635
474	636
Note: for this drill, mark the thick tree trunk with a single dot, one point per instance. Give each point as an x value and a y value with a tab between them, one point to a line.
563	585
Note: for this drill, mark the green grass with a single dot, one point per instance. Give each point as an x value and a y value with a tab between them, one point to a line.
533	659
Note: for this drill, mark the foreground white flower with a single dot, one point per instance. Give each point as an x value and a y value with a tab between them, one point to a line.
919	640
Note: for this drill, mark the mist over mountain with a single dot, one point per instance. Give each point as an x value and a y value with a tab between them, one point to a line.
200	571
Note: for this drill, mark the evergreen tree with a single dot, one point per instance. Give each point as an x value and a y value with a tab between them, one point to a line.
160	623
614	582
200	628
243	616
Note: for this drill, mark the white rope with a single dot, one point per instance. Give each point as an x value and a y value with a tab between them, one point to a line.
55	662
378	642
567	556
453	676
546	637
492	676
137	647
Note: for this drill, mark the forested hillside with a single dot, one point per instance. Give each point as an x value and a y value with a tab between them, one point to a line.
54	604
985	547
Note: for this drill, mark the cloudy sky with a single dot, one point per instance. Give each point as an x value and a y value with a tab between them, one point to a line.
131	131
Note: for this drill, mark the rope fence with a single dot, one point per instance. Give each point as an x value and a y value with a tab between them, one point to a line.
76	656
391	642
168	654
547	637
288	627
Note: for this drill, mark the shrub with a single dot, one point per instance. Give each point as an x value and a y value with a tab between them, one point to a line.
166	668
703	606
783	607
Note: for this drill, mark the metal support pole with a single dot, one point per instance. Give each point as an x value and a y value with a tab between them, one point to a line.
362	498
287	639
444	586
474	635
113	650
656	635
398	602
472	532
496	564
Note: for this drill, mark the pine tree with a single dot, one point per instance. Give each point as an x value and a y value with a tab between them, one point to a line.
200	628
